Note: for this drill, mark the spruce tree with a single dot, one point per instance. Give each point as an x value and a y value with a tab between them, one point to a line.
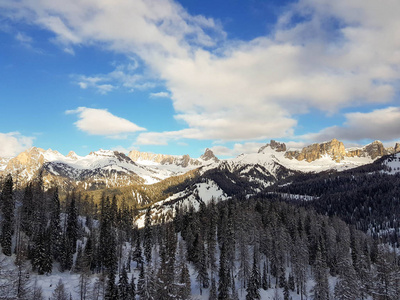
264	283
72	225
224	275
213	290
254	283
321	288
111	288
59	292
137	253
123	286
132	289
184	290
147	238
27	210
55	227
7	209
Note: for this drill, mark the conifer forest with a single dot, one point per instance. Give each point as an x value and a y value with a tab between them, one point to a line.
261	247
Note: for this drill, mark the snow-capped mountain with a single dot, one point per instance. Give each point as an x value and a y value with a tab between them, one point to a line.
251	172
99	169
183	161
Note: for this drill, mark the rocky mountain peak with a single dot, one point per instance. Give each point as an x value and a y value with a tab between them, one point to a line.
274	145
375	149
209	156
72	155
333	148
397	148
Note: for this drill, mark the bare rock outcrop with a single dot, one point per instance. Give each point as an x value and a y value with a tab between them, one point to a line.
209	156
375	149
333	148
397	148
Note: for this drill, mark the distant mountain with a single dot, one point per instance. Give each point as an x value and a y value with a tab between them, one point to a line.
99	169
183	161
250	173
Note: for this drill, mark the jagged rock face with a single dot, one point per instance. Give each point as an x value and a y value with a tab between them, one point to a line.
274	145
183	161
72	155
278	147
209	156
355	153
375	149
136	155
397	148
26	164
333	148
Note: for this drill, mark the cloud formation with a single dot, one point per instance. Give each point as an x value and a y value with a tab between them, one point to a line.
322	54
101	122
383	123
13	143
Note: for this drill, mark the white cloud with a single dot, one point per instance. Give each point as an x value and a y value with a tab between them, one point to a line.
23	38
101	122
123	76
381	124
160	95
13	143
238	90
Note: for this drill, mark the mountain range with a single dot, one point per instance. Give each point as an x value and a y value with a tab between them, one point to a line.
109	169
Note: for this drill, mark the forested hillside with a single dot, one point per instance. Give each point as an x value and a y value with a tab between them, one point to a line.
366	197
236	249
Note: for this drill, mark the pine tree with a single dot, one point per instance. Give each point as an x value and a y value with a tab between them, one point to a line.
42	260
291	284
27	210
264	283
84	285
321	288
7	209
224	275
147	239
55	227
145	287
132	289
286	292
137	253
60	293
72	225
123	285
201	266
213	290
254	283
111	288
184	290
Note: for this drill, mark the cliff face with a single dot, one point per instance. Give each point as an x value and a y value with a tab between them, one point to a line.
397	148
375	149
277	146
137	155
182	161
209	156
333	148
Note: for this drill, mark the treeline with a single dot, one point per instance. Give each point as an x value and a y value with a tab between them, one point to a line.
229	250
369	201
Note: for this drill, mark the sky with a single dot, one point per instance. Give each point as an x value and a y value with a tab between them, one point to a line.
176	77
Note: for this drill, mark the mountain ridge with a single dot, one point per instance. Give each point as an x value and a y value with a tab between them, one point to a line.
107	168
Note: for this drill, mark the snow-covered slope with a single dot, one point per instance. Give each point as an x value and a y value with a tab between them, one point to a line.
99	169
392	164
202	192
103	168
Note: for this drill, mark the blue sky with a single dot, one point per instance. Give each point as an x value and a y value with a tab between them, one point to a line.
177	77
